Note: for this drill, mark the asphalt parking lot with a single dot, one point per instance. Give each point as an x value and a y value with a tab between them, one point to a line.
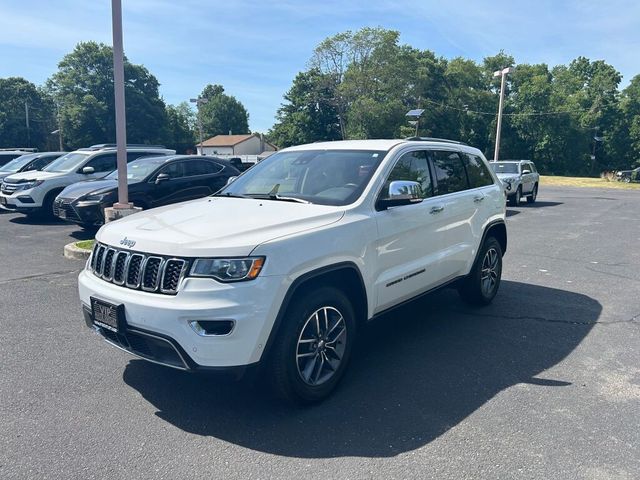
544	383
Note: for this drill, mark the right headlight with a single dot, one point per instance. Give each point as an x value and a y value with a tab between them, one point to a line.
228	269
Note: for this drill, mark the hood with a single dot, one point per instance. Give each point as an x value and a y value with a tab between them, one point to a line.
215	226
3	175
34	175
80	189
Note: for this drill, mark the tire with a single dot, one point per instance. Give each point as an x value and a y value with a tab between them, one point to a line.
514	200
626	179
534	194
301	362
483	282
47	206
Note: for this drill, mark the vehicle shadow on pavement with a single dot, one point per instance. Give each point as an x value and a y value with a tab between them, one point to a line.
417	372
35	220
540	204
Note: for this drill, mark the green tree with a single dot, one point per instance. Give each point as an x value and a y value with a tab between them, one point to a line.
181	121
222	113
83	89
308	114
18	95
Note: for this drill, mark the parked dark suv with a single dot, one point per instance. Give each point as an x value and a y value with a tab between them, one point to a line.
153	182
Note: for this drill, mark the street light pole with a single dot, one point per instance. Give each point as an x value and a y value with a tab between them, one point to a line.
500	73
121	121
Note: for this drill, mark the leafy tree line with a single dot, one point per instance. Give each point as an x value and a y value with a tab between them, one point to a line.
360	85
78	99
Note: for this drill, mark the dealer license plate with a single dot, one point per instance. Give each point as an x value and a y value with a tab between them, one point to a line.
107	315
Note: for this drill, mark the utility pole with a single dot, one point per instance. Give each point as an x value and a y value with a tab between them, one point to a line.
26	117
199	101
500	73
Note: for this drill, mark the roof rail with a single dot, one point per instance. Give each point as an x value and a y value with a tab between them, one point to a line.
102	146
19	149
433	139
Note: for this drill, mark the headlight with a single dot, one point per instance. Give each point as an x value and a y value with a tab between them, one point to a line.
28	185
93	199
228	269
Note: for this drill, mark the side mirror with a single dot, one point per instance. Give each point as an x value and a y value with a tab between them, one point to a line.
231	179
88	170
401	192
162	177
524	172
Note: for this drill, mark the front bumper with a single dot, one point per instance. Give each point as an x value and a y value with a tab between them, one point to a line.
21	200
253	307
70	211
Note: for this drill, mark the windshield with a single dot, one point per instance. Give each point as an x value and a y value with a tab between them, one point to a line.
17	163
500	167
66	163
326	177
138	170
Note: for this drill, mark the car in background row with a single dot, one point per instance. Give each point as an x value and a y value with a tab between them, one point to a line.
519	177
28	162
7	155
153	182
628	176
33	193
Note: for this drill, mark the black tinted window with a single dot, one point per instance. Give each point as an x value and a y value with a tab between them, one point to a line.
103	163
450	173
414	167
200	167
174	170
477	171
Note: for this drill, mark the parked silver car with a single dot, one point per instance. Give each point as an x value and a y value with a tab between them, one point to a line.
519	177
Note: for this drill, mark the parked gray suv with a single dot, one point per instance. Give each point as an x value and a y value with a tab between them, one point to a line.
519	177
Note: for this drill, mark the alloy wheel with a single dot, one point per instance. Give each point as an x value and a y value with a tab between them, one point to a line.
321	346
489	275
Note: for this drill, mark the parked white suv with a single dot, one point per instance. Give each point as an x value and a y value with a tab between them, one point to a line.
520	178
33	192
281	267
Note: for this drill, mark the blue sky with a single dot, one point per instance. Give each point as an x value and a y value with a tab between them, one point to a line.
255	48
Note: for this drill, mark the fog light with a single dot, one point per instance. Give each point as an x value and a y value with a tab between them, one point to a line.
212	328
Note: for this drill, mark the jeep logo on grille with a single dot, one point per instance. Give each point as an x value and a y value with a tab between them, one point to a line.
127	243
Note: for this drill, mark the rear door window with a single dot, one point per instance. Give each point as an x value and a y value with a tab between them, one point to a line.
477	171
193	168
449	172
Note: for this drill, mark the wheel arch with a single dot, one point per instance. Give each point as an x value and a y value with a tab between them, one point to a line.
498	230
343	275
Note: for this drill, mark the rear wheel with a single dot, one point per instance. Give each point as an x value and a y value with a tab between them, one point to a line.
482	283
534	194
313	347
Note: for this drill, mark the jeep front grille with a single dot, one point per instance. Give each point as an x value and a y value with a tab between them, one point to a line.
151	273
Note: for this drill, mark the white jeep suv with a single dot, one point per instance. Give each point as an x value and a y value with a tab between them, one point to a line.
281	267
33	192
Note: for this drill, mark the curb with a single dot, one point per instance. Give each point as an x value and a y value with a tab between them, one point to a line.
75	253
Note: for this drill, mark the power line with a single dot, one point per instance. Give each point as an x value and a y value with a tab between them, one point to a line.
526	114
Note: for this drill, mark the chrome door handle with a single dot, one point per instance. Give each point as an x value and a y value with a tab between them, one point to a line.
478	199
437	209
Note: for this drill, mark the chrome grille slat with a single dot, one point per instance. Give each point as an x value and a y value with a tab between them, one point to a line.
138	271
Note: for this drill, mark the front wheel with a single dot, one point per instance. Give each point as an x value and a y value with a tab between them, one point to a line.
313	346
482	283
514	200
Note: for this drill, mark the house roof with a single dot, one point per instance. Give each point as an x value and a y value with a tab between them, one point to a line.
225	140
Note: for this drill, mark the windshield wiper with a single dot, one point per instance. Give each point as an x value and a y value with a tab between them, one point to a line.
287	199
231	195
